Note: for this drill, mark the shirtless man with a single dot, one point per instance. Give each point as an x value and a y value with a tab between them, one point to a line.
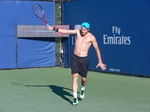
79	59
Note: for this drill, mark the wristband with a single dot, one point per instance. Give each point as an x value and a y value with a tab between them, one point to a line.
55	29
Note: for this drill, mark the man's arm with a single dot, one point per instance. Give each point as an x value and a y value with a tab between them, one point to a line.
62	30
100	63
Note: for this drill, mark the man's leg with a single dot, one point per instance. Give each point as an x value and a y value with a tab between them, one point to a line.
75	88
83	83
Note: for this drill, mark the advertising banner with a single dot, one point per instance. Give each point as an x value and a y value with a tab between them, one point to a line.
121	28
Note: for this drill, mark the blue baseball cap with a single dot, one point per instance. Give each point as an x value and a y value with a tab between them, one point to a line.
85	25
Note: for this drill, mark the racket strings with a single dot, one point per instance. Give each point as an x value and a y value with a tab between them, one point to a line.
38	11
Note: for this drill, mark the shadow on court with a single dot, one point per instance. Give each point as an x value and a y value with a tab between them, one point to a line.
60	91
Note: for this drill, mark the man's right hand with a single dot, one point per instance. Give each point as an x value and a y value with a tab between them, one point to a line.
50	28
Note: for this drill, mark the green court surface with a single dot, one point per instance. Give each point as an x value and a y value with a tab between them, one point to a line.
50	90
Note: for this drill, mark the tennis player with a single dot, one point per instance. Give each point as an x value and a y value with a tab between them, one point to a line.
79	60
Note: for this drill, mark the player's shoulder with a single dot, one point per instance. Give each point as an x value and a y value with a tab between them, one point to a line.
77	30
91	36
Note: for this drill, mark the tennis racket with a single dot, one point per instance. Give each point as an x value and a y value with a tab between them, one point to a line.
39	12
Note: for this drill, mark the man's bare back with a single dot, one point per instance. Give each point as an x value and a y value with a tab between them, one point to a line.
82	44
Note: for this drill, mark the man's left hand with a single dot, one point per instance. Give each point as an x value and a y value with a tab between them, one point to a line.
103	66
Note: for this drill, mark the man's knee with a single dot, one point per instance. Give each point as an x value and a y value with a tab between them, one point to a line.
75	76
84	79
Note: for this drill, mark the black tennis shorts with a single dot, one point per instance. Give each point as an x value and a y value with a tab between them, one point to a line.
79	65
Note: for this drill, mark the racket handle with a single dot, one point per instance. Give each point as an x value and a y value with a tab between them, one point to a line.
47	25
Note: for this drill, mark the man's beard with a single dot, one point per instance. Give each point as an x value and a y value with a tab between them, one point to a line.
82	33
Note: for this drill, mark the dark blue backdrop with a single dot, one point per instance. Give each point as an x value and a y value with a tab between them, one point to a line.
33	52
122	31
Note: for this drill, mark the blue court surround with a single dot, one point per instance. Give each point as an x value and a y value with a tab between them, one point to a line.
125	21
32	52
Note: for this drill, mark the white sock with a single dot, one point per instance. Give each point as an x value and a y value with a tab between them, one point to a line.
74	94
83	88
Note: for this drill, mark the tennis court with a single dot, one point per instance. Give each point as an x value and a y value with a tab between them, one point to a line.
49	90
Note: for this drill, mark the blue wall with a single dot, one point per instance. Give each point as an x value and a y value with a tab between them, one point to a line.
33	52
121	28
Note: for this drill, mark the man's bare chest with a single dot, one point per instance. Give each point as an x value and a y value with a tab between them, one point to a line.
83	42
